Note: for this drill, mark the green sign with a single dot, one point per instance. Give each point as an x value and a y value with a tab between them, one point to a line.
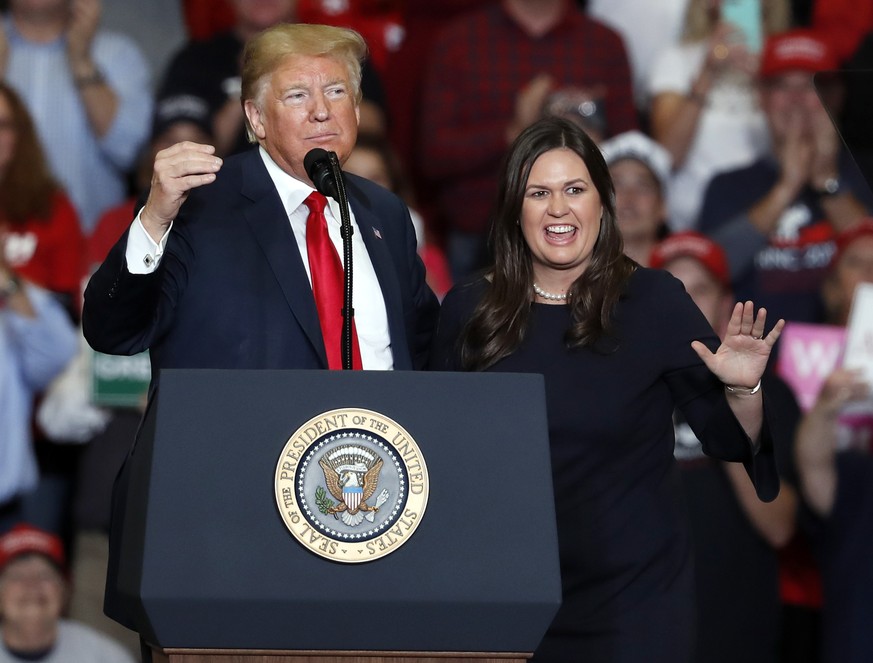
118	381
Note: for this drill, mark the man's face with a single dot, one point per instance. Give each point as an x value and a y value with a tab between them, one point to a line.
791	104
306	103
32	591
639	206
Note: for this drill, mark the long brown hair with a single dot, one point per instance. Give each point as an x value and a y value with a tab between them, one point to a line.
27	187
499	323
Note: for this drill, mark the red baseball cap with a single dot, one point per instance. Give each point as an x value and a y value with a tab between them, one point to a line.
846	237
692	244
29	540
796	50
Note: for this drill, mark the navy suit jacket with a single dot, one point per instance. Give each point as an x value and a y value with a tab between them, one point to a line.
231	289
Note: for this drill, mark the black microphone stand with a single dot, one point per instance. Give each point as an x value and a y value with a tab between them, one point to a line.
346	231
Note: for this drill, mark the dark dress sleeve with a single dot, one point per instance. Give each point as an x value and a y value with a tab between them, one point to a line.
700	395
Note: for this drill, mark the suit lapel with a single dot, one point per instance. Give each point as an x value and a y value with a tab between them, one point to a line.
268	221
372	232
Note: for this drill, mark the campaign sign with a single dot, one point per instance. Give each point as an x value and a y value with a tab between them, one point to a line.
808	354
118	381
859	340
856	419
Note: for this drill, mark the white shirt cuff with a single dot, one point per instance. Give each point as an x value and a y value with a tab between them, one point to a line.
143	254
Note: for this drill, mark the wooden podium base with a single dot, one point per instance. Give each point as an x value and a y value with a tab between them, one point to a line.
270	656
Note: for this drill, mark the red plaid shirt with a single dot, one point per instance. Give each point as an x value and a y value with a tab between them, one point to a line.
478	65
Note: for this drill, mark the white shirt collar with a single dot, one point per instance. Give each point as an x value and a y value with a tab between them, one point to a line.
291	190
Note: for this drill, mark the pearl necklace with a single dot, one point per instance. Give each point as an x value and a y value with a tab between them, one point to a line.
549	295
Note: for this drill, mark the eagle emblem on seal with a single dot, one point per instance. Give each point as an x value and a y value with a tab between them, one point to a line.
351	474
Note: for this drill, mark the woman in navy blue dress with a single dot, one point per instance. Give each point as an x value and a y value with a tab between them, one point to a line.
620	347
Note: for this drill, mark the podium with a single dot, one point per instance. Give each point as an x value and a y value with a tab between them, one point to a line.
207	571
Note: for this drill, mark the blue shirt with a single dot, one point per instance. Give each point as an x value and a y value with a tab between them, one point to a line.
91	169
32	352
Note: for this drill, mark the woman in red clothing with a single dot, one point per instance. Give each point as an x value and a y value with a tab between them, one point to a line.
42	243
39	230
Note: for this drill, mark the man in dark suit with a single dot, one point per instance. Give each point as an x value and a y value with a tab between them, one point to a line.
215	271
223	280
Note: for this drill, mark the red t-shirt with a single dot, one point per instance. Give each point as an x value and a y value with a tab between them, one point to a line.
49	252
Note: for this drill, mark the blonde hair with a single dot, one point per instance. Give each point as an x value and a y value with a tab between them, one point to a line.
700	19
265	52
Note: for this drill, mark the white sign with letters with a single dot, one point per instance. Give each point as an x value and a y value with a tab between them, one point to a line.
859	339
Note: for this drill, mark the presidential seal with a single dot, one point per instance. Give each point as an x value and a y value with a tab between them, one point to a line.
351	485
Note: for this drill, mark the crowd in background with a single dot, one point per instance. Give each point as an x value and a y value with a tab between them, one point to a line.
745	148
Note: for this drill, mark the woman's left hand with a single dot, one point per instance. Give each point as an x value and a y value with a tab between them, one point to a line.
742	356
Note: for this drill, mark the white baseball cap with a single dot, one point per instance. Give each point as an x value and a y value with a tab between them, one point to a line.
638	146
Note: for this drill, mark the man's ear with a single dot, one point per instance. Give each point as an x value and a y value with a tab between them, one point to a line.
253	113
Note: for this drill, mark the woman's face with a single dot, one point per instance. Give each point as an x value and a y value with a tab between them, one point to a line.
639	207
7	134
560	217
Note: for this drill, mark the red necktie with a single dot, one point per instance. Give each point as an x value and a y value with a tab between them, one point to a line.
327	284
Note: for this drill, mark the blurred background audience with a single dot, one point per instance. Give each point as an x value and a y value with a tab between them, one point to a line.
37	340
726	123
647	29
489	75
834	469
375	159
89	93
34	589
776	217
735	536
157	26
40	243
704	108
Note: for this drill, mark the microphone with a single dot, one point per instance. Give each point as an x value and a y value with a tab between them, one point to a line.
324	169
318	168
